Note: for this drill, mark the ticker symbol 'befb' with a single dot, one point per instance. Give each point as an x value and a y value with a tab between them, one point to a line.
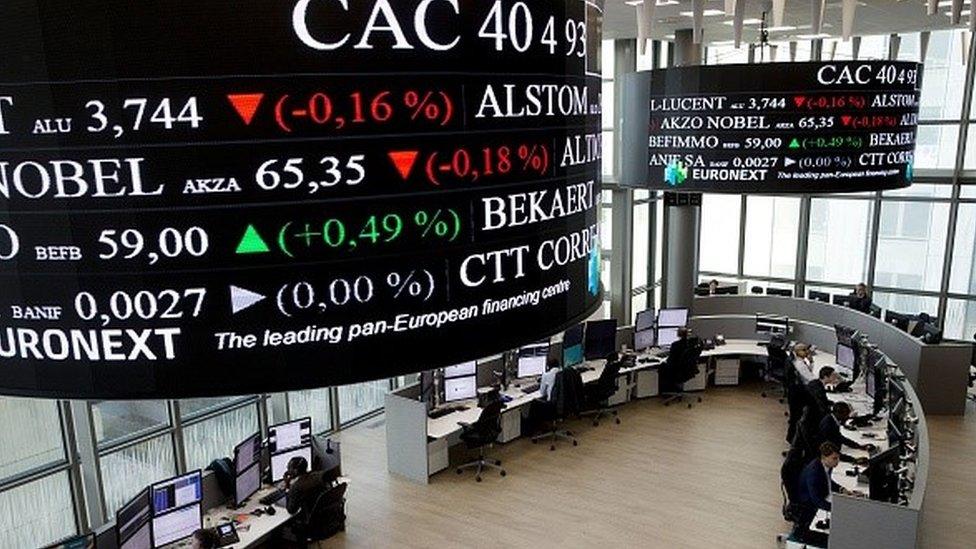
246	105
404	160
252	243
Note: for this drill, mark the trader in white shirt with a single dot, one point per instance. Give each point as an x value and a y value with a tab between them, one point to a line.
548	379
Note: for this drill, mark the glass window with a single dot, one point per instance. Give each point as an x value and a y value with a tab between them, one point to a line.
772	227
944	77
926	190
121	420
839	240
911	246
37	513
360	399
659	241
970	159
906	304
126	471
192	407
642	233
216	437
719	248
314	403
968	191
638	303
936	147
839	50
962	279
606	104
725	53
873	47
607	58
910	48
607	160
960	320
30	436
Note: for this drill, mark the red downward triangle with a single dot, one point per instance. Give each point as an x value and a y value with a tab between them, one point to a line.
246	105
799	99
845	120
403	160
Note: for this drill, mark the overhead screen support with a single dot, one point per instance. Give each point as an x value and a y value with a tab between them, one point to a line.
334	192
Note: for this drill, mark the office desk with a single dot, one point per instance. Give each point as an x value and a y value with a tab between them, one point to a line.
251	529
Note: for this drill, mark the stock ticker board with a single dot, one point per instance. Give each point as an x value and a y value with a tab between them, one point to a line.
783	127
208	198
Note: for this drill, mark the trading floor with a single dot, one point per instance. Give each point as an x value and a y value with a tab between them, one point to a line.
664	477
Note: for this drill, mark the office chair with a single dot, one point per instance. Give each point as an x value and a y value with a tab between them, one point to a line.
790	473
774	374
565	401
600	393
678	370
481	435
328	515
756	290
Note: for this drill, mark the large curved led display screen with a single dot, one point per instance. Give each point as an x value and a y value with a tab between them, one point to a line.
202	198
783	127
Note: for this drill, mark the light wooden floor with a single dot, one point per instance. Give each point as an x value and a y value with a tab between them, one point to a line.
666	477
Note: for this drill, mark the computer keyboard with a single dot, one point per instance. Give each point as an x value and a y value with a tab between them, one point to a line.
530	389
273	497
441	412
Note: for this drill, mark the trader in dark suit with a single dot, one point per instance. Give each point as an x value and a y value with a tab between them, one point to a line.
303	488
814	490
817	390
860	299
830	430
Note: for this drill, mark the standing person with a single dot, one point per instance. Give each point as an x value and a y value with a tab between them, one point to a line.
861	299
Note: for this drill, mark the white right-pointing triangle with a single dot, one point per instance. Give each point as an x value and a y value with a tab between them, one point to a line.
241	299
787	161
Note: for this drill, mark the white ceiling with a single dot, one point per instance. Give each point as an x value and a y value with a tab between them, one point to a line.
872	17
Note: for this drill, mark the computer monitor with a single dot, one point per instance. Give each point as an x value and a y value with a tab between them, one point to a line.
176	525
460	388
672	318
292	434
600	339
666	336
645	320
469	368
644	339
845	334
176	508
727	290
823	297
532	360
247	453
772	324
842	300
247	483
279	461
870	381
845	356
132	522
883	481
897	319
783	292
86	541
573	345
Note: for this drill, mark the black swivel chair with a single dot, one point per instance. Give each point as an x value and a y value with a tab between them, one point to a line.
481	435
775	373
328	515
599	393
678	370
565	402
756	290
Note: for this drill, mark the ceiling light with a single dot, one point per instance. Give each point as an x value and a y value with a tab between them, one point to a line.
812	36
752	21
782	28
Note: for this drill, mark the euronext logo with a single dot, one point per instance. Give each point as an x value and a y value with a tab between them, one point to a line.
675	173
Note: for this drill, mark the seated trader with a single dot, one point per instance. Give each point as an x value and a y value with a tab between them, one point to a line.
830	430
860	300
817	390
204	538
713	287
813	492
303	488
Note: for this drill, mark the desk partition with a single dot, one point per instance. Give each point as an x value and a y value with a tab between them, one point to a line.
938	373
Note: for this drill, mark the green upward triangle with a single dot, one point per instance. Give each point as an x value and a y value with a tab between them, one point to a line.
252	243
795	144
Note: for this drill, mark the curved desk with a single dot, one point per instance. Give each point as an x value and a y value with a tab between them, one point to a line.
857	523
938	373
